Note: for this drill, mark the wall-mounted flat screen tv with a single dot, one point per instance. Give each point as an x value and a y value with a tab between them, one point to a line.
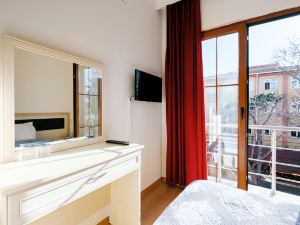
147	87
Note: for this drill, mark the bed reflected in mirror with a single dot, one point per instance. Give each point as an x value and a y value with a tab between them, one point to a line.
55	99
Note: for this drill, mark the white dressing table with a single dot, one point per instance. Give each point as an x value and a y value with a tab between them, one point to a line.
32	189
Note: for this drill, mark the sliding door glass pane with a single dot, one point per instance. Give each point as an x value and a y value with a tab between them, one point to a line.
210	106
210	115
228	111
274	102
209	61
228	59
221	60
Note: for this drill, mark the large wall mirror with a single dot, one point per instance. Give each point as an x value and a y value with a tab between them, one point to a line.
57	99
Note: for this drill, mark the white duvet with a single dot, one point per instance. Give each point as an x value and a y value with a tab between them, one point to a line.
204	202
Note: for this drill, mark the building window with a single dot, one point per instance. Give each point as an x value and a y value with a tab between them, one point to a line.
271	84
268	132
249	131
295	134
295	83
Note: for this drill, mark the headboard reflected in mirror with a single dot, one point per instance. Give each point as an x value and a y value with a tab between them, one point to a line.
41	127
57	98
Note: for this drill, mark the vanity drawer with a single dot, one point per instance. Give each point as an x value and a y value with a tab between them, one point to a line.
35	203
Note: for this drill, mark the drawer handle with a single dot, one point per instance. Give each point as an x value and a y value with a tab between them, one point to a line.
93	179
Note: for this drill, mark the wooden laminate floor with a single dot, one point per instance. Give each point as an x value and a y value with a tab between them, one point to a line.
156	201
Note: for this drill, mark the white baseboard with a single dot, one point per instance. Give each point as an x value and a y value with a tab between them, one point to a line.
97	216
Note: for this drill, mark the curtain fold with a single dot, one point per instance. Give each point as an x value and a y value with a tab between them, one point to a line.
186	144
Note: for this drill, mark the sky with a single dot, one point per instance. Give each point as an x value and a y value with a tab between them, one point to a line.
264	39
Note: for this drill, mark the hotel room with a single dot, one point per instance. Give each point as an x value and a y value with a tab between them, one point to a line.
140	112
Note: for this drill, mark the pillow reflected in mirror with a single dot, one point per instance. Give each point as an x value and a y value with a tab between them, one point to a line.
25	131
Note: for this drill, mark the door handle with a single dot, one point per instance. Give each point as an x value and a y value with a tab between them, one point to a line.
242	112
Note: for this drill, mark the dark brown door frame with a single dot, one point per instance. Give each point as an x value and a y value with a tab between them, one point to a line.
242	29
75	100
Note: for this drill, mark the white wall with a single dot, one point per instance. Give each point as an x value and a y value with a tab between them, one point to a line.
43	84
148	120
217	13
123	37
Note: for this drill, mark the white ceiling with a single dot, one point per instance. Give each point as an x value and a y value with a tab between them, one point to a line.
160	4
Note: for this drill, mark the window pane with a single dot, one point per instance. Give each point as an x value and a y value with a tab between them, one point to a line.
211	136
210	104
228	107
88	110
94	110
228	113
84	111
95	131
229	176
94	77
250	86
221	102
209	61
89	80
83	80
84	132
228	59
89	132
267	86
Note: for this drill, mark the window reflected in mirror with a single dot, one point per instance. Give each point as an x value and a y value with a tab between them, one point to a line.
88	101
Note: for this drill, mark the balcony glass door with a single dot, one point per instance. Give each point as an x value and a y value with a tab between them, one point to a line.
221	79
274	106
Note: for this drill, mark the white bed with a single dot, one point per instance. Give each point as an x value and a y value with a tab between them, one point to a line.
204	202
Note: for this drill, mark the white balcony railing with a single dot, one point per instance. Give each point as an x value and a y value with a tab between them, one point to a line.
273	146
274	131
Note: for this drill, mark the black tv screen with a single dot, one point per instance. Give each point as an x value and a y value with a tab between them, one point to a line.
147	87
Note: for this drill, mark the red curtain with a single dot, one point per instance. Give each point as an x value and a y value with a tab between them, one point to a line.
186	145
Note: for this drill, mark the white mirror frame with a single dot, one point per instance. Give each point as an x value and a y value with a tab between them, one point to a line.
7	103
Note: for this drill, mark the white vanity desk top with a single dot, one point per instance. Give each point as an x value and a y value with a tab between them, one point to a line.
19	176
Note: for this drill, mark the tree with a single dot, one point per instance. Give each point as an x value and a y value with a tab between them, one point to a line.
287	58
262	108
